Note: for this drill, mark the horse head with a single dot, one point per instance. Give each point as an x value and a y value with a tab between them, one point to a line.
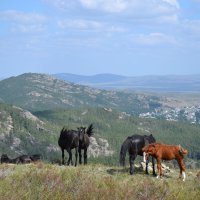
81	132
148	139
149	149
182	151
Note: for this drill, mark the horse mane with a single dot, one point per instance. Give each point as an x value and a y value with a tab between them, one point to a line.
89	131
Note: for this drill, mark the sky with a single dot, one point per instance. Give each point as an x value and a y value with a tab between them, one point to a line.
87	37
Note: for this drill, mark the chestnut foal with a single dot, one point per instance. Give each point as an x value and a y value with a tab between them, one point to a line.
166	152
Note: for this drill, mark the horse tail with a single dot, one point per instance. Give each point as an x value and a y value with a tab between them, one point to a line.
63	130
125	146
182	151
90	130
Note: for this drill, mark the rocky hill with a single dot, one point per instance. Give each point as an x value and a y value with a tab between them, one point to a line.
36	92
21	132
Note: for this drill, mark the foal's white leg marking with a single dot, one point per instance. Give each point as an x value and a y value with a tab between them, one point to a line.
144	157
158	176
184	176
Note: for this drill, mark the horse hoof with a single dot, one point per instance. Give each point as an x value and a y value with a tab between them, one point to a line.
154	174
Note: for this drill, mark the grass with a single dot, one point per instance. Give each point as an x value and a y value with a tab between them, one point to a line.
47	181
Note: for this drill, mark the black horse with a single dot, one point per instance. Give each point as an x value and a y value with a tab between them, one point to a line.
75	139
68	140
84	143
134	144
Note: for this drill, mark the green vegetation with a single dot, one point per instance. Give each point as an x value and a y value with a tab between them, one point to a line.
58	104
41	135
115	127
21	134
55	104
44	181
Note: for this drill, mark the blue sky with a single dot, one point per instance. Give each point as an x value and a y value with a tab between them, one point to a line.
126	37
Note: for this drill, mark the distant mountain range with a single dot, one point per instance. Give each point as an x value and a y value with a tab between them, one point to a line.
168	83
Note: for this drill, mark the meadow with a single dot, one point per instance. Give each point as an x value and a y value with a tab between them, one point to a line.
44	181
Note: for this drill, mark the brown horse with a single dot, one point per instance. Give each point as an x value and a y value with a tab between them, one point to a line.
166	152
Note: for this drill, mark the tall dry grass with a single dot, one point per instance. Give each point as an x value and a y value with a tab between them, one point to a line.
44	182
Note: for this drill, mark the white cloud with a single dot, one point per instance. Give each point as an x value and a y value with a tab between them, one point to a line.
172	2
15	16
90	25
110	6
191	27
61	4
79	24
154	39
24	22
32	28
132	6
172	19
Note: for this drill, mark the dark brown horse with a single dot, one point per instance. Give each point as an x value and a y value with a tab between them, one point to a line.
134	144
167	152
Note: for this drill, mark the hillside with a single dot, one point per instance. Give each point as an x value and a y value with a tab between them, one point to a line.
116	126
167	83
24	133
21	132
35	92
42	181
54	104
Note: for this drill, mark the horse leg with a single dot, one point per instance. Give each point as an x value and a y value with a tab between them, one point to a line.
146	160
80	156
131	161
147	163
63	155
182	169
70	156
159	168
76	155
85	156
153	165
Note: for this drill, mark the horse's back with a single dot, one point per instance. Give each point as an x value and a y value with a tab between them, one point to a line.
68	139
166	152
